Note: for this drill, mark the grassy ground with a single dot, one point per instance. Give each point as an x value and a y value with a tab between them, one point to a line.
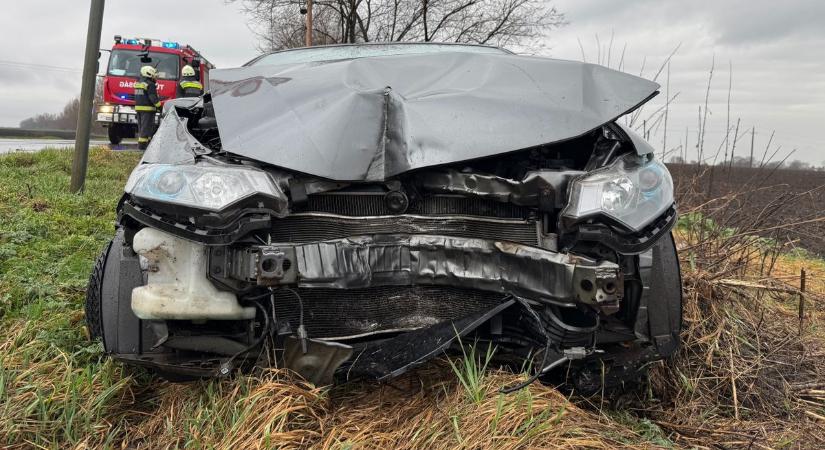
57	391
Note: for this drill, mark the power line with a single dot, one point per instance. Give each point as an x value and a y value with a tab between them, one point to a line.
24	65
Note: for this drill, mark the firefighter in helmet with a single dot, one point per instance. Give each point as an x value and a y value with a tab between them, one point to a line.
146	104
189	85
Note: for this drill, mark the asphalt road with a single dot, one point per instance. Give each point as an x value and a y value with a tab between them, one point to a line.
8	145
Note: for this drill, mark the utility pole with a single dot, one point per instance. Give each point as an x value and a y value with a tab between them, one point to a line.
667	107
308	42
753	135
87	94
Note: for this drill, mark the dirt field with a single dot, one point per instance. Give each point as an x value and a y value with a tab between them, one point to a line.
743	196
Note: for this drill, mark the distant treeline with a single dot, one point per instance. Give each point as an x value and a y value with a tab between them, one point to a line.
742	161
65	119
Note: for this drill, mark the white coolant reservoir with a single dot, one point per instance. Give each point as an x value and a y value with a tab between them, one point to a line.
177	288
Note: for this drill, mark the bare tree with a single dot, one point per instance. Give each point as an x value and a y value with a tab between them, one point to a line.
67	118
507	23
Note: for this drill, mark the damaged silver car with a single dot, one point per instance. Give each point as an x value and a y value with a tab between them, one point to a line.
350	211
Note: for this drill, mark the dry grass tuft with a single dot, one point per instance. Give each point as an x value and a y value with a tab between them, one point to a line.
749	372
743	371
247	412
428	409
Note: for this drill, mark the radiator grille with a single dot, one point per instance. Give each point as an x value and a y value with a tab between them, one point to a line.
301	228
372	204
456	204
351	312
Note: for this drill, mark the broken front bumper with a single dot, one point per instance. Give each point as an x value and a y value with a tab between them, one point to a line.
414	260
410	260
365	262
385	295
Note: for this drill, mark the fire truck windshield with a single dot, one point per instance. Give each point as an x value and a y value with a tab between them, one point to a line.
126	63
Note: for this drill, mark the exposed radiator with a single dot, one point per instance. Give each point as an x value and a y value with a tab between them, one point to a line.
309	227
352	312
372	204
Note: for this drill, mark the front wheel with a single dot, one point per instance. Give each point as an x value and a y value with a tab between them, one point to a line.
109	316
115	135
94	295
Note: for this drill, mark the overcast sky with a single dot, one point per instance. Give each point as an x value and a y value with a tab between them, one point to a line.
777	50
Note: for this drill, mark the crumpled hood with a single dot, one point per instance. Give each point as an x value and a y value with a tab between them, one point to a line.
369	119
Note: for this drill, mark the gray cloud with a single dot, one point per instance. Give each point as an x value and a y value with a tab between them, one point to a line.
750	22
731	22
775	51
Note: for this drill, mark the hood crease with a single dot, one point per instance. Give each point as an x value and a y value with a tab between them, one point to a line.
369	119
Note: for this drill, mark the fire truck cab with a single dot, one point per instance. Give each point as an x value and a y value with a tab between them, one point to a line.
117	113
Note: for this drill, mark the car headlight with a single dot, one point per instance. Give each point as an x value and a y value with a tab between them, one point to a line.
634	191
201	186
106	108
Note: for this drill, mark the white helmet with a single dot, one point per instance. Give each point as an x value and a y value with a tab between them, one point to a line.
187	71
148	72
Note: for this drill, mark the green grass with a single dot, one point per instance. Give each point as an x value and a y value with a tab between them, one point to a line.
643	427
55	386
48	236
470	369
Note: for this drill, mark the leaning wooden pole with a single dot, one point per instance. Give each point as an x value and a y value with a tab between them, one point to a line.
87	96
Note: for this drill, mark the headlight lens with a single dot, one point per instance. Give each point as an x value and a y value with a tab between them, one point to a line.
201	185
106	108
634	190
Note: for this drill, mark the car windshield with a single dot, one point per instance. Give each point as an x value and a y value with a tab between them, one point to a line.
314	54
126	63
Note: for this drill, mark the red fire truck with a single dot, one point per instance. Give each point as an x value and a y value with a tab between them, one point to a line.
117	113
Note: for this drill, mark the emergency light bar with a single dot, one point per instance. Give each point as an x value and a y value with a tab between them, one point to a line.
147	42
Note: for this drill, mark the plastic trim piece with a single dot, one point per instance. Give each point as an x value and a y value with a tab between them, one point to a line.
625	243
223	236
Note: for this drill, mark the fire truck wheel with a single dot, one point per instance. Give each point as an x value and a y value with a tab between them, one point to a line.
115	135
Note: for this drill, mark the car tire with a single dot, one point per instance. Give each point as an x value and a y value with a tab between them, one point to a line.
94	295
109	315
671	281
115	135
